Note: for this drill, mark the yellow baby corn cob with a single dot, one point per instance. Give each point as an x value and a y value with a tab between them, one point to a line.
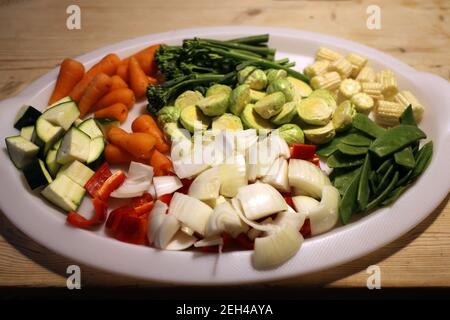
373	89
357	62
341	66
317	68
366	75
388	113
329	81
387	79
327	54
363	102
406	98
349	87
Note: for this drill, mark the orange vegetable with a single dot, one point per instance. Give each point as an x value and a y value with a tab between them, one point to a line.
145	123
137	78
70	73
152	81
160	163
117	83
123	95
117	136
107	65
116	111
116	155
122	70
96	89
138	144
146	59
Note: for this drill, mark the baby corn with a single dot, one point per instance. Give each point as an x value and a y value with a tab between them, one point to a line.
406	98
329	81
327	54
363	103
388	113
388	81
366	75
341	66
317	68
373	89
357	62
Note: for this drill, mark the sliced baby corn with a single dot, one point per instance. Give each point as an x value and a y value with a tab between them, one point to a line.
317	68
329	81
357	62
366	74
327	54
348	88
406	98
363	102
388	113
373	89
388	81
341	66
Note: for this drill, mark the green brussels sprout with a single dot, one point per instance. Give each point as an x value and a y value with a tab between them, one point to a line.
314	110
168	114
320	135
227	121
343	116
188	98
252	120
255	78
329	97
275	74
214	105
255	95
239	98
287	113
192	118
270	105
291	133
283	86
301	89
218	89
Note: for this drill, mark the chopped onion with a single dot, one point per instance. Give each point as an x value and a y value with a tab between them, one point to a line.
233	175
131	188
207	242
254	233
180	241
304	204
260	200
190	211
166	185
276	248
166	231
152	191
206	185
156	219
258	226
181	149
290	218
306	177
277	176
215	201
245	139
280	145
187	230
138	171
185	168
325	216
225	218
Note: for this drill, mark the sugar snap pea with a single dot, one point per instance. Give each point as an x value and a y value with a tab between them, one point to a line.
347	204
339	160
396	138
329	148
384	166
384	180
363	185
363	123
396	193
423	159
375	202
352	150
405	157
403	181
342	180
373	181
407	117
356	139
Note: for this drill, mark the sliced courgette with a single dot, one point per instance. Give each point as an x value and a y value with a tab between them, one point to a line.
62	115
105	123
96	149
90	127
36	174
50	160
75	145
27	116
76	171
27	133
62	100
21	151
64	193
47	134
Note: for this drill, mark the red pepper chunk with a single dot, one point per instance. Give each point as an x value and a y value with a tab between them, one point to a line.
77	220
289	201
142	204
305	230
98	179
244	242
115	217
111	184
132	229
302	151
166	198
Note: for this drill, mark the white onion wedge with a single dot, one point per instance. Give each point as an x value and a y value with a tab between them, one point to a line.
187	230
306	177
304	204
206	242
233	175
290	218
207	185
138	171
166	231
131	188
254	233
185	168
156	219
166	185
325	216
225	218
277	176
245	139
258	226
181	241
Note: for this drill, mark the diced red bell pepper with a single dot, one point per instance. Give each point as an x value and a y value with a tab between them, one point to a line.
186	184
111	184
302	151
77	220
98	179
289	201
126	225
166	198
305	230
142	204
244	242
115	216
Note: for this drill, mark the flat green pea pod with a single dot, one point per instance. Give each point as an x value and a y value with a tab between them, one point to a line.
218	89
254	77
275	74
252	120
214	105
315	111
330	148
363	123
396	139
347	205
270	105
340	160
239	98
329	97
343	116
286	114
283	86
291	133
423	159
188	98
227	121
255	95
385	194
405	157
363	185
352	150
301	89
320	135
168	114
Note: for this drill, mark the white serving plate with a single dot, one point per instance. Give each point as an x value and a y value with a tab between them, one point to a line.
46	225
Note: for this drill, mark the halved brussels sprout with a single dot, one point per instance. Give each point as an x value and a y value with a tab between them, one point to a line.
314	110
329	97
343	116
301	89
192	118
188	98
255	78
255	95
287	113
227	121
291	133
320	135
270	105
252	120
283	86
214	105
274	74
218	89
175	133
168	114
239	98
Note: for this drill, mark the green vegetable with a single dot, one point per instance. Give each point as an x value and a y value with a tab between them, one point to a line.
301	89
168	114
283	86
217	89
188	98
254	77
347	205
363	185
287	113
363	123
385	180
384	166
252	120
192	117
343	116
339	160
329	148
342	180
356	139
255	95
175	133
396	193
423	159
274	74
320	135
405	157
291	133
239	98
214	105
407	117
375	202
328	96
270	105
352	150
315	111
405	179
395	139
227	121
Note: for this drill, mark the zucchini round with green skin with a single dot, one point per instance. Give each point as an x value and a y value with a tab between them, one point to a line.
21	151
27	116
47	134
90	127
76	171
60	101
50	161
96	149
36	174
62	115
75	145
27	133
105	123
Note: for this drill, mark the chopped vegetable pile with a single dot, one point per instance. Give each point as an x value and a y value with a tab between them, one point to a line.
239	151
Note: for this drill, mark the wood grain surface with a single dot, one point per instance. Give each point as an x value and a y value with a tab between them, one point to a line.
34	39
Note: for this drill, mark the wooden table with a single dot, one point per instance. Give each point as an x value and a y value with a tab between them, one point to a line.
34	39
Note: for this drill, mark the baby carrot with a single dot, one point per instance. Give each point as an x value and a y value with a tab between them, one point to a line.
122	70
160	163
140	145
116	111
145	123
123	95
107	65
117	136
70	73
152	81
117	83
116	155
137	78
96	89
146	59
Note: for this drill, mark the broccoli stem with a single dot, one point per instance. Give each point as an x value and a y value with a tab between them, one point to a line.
263	51
257	39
